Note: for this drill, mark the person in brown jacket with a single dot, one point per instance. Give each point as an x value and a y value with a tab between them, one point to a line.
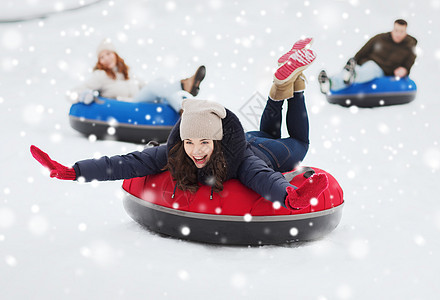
386	54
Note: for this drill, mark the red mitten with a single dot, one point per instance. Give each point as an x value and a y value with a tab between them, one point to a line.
56	170
311	188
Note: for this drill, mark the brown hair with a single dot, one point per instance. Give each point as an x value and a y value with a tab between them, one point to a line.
401	22
120	65
184	171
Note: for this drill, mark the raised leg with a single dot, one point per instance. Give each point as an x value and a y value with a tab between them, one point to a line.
297	119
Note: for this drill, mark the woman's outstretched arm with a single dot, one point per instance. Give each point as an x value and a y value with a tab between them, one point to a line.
136	164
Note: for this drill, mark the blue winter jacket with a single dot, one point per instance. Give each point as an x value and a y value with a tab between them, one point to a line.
243	161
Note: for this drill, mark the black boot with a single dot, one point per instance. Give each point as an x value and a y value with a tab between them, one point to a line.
324	82
192	84
349	73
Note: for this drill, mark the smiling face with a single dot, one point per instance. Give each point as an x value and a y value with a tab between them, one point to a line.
107	59
199	150
398	33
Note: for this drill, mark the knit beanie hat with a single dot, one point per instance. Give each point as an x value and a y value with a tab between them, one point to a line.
201	119
106	44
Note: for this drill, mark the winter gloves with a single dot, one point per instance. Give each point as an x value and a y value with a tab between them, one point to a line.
305	194
56	170
87	96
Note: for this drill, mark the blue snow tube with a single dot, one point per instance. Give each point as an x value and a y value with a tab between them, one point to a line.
124	121
382	91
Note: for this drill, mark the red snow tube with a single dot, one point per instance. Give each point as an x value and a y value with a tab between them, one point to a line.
236	216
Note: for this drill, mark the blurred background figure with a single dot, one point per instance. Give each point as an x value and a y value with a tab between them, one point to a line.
386	54
111	79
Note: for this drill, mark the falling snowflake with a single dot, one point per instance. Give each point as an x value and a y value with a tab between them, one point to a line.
210	180
11	261
92	138
431	158
276	205
419	240
383	128
111	131
184	275
185	230
359	248
38	225
238	280
35	208
293	231
344	291
7	217
82	227
12	39
33	114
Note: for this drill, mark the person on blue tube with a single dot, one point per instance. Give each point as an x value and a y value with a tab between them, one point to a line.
111	78
386	54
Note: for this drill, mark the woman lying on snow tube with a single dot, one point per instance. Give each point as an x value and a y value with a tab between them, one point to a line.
208	146
149	109
382	91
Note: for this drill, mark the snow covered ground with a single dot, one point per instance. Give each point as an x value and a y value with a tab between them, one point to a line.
64	240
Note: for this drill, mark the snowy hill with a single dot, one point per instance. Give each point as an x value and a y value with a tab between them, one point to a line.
65	240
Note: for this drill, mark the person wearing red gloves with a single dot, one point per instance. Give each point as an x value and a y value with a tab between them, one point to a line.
209	146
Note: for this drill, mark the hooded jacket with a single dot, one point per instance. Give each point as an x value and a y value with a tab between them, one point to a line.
388	54
243	162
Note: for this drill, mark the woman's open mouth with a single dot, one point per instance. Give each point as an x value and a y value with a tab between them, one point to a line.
200	160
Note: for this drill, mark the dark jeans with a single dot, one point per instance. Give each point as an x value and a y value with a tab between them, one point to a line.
284	153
